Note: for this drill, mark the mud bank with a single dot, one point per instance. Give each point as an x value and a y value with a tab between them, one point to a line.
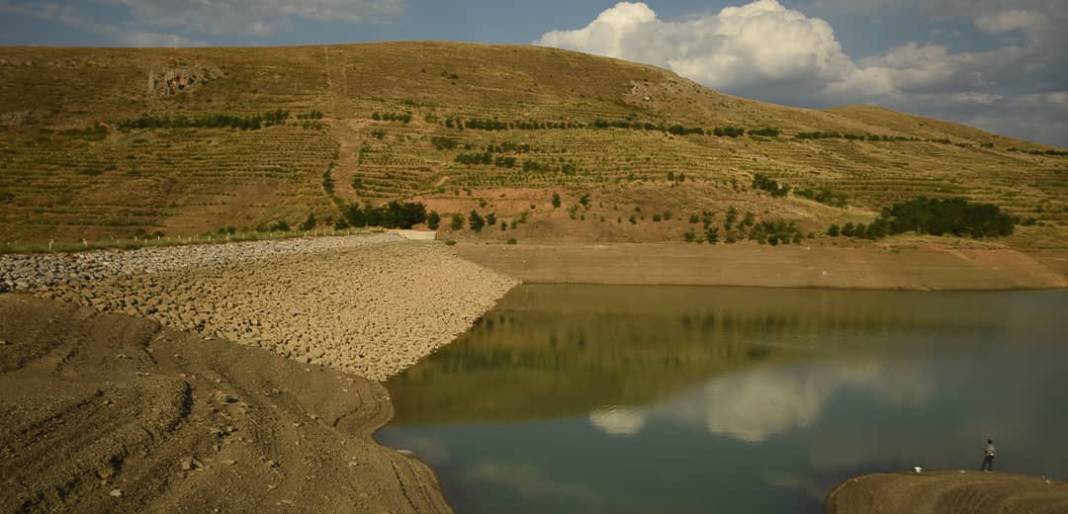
944	492
766	266
110	413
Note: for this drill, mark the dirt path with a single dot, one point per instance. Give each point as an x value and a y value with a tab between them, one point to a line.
109	413
766	266
948	492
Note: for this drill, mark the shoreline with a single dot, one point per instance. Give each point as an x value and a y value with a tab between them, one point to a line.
932	492
749	265
364	308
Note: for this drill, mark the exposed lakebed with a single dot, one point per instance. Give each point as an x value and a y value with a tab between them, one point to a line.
572	398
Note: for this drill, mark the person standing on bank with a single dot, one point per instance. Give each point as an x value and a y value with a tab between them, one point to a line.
988	456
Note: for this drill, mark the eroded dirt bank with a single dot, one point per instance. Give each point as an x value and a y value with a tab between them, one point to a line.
767	266
110	413
948	492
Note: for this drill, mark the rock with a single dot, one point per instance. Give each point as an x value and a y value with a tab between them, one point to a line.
115	493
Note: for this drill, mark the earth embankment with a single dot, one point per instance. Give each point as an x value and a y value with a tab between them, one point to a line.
370	305
111	413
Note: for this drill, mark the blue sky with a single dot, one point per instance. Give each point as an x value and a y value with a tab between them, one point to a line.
995	64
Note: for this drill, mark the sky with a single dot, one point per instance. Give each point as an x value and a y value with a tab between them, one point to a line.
999	65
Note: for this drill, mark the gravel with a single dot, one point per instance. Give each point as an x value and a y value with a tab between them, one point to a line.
373	305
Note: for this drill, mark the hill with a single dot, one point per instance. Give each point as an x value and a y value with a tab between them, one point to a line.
120	143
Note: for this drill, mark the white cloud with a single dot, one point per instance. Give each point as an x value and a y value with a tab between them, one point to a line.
253	17
72	17
761	44
767	51
618	421
1007	21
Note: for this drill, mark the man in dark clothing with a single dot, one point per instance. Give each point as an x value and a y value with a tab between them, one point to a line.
988	456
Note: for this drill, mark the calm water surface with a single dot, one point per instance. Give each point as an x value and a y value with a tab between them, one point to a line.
731	400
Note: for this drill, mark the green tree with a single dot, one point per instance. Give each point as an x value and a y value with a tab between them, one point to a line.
433	220
833	230
475	221
491	219
309	223
457	221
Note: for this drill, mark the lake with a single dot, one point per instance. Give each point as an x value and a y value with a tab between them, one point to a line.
582	398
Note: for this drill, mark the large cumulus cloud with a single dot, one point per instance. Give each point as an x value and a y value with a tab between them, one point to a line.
768	51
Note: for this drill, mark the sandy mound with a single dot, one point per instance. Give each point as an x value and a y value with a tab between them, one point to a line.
948	492
108	413
371	305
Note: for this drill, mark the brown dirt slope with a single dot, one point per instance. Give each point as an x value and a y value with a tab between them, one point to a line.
68	171
948	492
108	413
861	267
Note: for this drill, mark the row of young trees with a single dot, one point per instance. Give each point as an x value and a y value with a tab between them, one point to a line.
403	117
253	122
852	137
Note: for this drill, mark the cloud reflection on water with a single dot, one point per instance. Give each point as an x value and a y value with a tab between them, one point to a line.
757	404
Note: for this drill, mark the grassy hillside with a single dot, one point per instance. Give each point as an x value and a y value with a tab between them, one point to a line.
93	148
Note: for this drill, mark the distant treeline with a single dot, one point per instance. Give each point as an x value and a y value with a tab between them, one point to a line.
854	137
391	215
253	122
937	217
456	122
1055	153
403	117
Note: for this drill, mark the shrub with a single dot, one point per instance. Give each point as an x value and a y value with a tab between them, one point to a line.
832	230
392	215
765	132
309	223
585	200
954	216
475	221
824	196
556	200
450	242
847	230
712	235
512	241
443	143
491	219
729	131
763	182
433	220
457	221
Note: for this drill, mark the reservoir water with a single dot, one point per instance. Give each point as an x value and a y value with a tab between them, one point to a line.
733	400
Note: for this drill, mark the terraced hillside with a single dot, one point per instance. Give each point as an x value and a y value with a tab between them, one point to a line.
122	143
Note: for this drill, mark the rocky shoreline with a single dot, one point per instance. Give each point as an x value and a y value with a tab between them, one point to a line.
372	305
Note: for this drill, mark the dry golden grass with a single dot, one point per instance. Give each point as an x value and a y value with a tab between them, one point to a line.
60	181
